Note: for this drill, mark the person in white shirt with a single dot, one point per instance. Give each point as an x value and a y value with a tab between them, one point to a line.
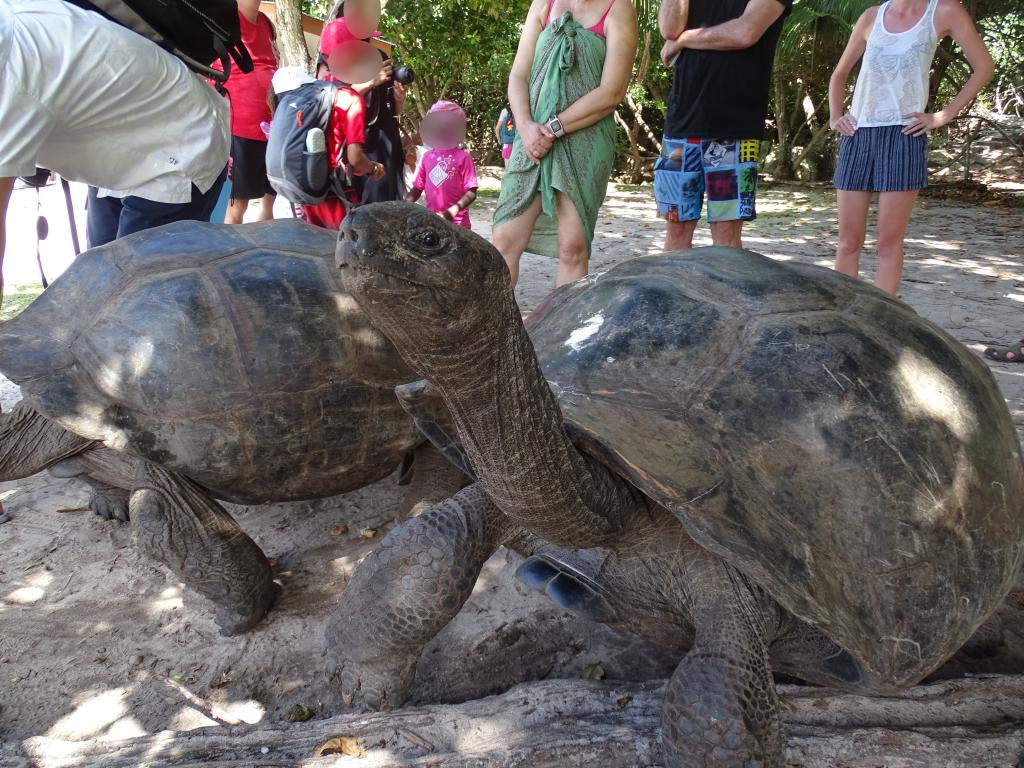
883	144
99	104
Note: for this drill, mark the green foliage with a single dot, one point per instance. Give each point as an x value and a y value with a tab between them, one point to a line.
17	297
461	50
317	8
821	25
1004	36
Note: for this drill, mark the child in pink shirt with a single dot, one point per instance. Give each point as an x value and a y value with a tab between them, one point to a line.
446	173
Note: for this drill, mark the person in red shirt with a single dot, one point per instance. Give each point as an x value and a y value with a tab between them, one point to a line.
348	130
249	108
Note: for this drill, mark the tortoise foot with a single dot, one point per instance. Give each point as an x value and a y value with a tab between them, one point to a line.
712	718
233	621
376	684
110	504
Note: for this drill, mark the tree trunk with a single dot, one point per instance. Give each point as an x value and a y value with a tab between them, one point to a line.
783	168
291	42
576	723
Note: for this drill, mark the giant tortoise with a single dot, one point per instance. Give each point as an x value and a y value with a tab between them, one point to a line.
194	362
785	468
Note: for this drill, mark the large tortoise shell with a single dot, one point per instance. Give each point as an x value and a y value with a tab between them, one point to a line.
843	452
230	354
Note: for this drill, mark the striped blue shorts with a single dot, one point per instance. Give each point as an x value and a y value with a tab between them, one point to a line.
882	159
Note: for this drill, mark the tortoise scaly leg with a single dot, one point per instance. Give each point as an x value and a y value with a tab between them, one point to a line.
30	442
111	476
805	652
406	591
423	402
177	523
720	708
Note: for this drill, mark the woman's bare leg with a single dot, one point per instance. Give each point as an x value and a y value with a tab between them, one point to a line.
573	248
512	237
853	223
894	209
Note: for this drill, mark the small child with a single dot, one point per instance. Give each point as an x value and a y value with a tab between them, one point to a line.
505	131
446	173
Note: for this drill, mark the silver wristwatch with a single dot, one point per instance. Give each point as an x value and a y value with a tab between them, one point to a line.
555	126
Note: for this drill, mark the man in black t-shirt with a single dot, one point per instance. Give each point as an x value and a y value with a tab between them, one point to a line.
722	51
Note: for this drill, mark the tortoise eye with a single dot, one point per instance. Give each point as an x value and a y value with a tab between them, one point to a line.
427	240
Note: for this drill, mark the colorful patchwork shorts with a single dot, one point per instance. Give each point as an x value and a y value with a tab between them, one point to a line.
725	168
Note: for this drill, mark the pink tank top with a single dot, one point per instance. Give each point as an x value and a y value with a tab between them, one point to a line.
597	29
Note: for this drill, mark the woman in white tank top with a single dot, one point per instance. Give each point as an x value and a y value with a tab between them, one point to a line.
883	146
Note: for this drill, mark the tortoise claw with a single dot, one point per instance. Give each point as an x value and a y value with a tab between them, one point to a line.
375	685
110	504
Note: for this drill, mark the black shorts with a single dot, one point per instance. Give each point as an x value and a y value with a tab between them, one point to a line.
249	169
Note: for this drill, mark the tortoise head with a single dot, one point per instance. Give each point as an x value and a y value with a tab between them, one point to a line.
430	286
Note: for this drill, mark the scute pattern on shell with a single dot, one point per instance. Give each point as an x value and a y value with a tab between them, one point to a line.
232	355
845	453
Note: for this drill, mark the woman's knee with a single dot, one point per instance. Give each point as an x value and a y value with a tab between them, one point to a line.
503	240
574	254
892	249
851	242
890	240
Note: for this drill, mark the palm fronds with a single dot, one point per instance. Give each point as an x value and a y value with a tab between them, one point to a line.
820	24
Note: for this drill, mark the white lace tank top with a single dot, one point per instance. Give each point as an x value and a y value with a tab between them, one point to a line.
893	79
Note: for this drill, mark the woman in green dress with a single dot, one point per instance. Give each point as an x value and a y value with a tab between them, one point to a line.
571	71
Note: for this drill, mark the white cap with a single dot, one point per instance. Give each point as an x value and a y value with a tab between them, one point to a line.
290	78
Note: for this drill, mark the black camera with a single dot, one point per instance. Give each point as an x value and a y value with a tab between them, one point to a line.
403	75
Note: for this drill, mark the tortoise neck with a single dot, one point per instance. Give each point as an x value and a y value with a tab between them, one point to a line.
511	427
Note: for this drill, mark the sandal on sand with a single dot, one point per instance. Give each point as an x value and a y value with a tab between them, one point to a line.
1011	354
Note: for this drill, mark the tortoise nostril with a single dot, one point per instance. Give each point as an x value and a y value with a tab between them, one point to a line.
353	235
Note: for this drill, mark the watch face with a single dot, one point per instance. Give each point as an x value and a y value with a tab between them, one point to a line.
555	125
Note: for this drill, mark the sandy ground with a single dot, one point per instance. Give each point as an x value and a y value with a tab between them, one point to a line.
96	642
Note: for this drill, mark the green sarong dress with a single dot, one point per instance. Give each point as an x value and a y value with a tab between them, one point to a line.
568	65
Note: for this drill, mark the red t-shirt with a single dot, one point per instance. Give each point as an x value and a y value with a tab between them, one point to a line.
249	90
348	126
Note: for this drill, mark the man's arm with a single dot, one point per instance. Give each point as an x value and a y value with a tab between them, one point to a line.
735	34
672	17
6	186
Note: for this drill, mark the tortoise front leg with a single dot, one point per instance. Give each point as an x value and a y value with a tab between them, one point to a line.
721	709
406	591
111	476
179	524
423	402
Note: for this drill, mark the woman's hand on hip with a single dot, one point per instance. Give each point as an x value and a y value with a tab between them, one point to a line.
844	124
922	122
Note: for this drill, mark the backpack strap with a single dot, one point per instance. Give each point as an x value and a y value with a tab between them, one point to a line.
124	14
341	177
